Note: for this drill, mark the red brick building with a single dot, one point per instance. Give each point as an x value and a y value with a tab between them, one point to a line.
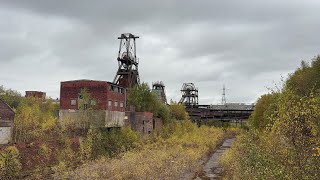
107	101
103	95
36	94
108	104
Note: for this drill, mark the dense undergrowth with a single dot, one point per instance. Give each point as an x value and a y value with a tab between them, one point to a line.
168	154
284	137
44	147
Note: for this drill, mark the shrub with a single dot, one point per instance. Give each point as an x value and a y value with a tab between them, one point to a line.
164	158
10	165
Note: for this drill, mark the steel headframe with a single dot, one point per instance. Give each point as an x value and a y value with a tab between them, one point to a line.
159	88
127	74
189	95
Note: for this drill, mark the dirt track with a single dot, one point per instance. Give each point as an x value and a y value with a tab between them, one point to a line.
212	169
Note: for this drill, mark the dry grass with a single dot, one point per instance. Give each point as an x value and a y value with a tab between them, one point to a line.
160	158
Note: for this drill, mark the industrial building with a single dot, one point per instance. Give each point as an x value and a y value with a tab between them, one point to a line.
107	102
227	112
106	99
6	122
36	94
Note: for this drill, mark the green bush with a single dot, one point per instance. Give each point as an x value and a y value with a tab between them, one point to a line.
116	140
288	150
10	165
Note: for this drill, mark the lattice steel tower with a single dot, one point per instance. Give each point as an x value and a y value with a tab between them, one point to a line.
128	74
224	99
189	95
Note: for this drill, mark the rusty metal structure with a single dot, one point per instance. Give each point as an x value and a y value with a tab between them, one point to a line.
159	88
127	75
226	112
189	95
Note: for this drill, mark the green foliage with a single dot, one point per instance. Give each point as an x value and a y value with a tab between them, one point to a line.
33	120
178	111
289	149
116	140
168	157
66	155
44	152
91	146
143	99
84	100
265	107
306	79
10	165
164	113
11	97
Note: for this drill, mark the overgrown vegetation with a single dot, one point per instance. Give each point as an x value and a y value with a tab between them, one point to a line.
34	120
51	148
167	154
284	138
10	165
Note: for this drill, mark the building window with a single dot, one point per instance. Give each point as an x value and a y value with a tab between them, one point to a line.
109	103
121	104
73	102
116	104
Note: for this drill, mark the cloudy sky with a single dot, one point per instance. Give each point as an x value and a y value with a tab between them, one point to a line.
246	45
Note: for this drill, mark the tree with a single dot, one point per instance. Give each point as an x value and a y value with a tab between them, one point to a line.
178	111
265	107
305	79
33	120
143	99
11	97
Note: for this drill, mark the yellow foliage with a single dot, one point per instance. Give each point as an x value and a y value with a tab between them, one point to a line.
162	158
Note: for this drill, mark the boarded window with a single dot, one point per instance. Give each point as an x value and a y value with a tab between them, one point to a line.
121	104
73	102
116	104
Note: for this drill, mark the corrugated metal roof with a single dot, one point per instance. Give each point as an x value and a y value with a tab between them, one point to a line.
233	106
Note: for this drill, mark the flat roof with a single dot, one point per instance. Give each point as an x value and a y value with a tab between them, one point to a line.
90	80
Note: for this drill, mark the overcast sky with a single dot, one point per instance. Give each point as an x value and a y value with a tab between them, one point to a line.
246	45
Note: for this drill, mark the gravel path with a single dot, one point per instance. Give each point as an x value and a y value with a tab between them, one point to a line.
212	169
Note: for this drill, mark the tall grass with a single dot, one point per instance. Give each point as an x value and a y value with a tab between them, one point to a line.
169	154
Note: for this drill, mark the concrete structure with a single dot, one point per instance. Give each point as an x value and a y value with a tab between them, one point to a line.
107	101
36	94
6	122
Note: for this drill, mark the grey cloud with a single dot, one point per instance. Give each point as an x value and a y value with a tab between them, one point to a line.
243	44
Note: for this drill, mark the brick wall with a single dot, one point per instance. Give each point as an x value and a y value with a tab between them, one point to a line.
100	91
140	121
6	122
36	94
6	115
157	123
